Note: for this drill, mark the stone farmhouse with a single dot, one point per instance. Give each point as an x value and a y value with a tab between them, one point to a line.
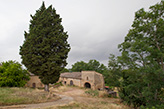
34	82
88	79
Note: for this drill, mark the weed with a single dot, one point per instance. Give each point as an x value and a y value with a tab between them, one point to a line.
91	92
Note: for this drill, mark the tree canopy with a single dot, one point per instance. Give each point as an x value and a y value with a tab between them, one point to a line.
45	49
12	74
141	65
113	74
92	65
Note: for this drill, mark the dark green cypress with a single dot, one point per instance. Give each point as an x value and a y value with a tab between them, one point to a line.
45	49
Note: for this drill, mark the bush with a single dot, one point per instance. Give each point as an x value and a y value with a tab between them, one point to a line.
154	107
92	92
103	94
12	75
57	84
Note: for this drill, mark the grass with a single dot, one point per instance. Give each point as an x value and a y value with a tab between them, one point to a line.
60	89
97	105
91	92
96	93
10	96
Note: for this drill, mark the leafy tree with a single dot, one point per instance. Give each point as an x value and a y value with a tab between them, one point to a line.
142	58
131	87
64	70
79	66
12	75
92	65
113	75
96	66
45	48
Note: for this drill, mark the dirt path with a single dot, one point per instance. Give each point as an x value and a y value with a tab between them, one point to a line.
67	95
63	101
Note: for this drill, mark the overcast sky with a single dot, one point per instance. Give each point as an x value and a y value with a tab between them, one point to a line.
95	27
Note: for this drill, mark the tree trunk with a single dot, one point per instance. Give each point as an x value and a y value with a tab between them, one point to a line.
46	87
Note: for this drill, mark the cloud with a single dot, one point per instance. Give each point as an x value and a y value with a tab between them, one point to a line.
95	27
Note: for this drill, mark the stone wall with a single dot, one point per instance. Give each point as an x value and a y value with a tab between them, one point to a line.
96	80
87	77
99	81
67	81
90	79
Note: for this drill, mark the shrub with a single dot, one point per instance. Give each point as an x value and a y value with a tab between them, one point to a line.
92	92
12	75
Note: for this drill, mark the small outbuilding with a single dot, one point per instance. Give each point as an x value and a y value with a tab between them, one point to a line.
34	82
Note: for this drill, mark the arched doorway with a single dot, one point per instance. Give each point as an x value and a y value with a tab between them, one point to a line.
87	85
71	83
33	85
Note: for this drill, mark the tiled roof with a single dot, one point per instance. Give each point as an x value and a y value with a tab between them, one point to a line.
76	75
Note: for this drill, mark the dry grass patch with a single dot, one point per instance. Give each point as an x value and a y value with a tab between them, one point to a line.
11	96
59	89
103	94
96	93
98	105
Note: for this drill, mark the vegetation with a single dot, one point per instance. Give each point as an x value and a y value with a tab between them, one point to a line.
64	70
55	85
95	105
45	48
92	92
114	72
139	71
92	65
12	74
11	96
96	93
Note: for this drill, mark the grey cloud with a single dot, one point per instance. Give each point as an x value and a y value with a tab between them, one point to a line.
95	27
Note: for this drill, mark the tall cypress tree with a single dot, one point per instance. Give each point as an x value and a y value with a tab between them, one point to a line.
45	49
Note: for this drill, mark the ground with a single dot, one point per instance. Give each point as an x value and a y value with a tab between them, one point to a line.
76	98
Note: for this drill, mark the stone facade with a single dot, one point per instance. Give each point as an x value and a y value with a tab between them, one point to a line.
89	79
34	82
